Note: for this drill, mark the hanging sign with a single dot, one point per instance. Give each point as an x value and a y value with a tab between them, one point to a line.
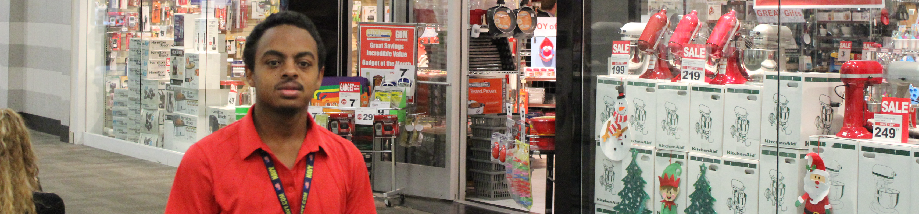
619	60
820	4
486	96
891	124
546	26
383	48
773	15
693	67
845	50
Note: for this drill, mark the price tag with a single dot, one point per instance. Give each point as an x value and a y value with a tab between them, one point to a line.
349	94
364	116
889	127
897	51
231	98
380	104
406	79
693	67
845	49
314	110
619	60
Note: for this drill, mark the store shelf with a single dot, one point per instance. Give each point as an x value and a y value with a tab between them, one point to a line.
492	72
541	105
840	37
845	22
535	79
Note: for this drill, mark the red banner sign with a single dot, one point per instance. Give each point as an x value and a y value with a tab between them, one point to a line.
822	4
385	46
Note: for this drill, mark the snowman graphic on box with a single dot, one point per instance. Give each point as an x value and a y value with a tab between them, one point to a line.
614	139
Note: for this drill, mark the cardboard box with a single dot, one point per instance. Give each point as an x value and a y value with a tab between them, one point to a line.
608	178
219	117
152	92
160	44
177	63
840	156
713	175
606	101
885	177
663	160
184	30
742	120
807	97
736	186
155	69
642	100
780	182
706	119
171	103
914	172
203	70
119	111
673	118
150	140
151	121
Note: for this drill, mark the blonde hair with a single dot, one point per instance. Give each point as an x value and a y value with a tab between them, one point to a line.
18	168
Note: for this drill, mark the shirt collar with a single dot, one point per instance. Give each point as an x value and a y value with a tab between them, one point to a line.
249	141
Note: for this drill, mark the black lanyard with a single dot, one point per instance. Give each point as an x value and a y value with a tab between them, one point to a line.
279	188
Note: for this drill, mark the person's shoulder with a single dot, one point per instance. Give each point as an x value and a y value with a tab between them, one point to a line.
47	203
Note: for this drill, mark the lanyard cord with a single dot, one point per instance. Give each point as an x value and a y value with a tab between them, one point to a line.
278	187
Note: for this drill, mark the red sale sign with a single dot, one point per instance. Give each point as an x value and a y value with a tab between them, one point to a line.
349	87
385	46
892	124
822	4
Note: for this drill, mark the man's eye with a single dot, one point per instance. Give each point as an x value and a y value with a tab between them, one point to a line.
304	64
273	63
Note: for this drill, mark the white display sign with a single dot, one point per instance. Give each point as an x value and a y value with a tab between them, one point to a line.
888	127
714	11
619	60
364	116
349	94
693	67
845	49
380	104
314	110
546	26
788	16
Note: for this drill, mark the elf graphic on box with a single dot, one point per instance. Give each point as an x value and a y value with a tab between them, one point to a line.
670	188
816	187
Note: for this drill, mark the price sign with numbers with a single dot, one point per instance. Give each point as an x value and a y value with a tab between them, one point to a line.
845	49
889	127
364	116
314	110
349	94
406	78
693	67
619	60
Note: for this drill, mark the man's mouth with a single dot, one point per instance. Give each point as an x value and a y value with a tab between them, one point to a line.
289	89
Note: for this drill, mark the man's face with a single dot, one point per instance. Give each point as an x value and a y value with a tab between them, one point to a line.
286	71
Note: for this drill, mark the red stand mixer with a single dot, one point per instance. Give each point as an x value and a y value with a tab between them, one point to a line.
720	46
683	34
856	75
648	43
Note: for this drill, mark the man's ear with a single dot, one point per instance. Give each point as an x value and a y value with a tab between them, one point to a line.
250	79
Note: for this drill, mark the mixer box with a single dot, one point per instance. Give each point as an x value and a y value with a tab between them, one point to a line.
840	156
673	117
807	98
914	170
662	160
641	95
606	100
885	182
706	120
736	185
742	112
780	182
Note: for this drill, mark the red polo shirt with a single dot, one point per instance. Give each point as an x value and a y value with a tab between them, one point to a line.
223	173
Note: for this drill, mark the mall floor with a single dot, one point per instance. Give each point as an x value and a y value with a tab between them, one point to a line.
96	181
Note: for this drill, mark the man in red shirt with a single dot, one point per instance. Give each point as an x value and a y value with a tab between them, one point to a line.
276	158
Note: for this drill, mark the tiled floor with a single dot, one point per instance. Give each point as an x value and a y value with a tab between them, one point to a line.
96	181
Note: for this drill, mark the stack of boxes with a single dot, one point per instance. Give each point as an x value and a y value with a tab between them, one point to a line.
194	85
727	135
154	70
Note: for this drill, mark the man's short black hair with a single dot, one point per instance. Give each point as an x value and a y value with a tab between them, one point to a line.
282	18
547	5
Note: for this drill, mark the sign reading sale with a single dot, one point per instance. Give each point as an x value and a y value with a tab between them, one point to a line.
693	67
845	49
891	125
619	60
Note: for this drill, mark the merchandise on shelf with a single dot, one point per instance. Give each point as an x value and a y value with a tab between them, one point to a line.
885	184
856	75
642	98
637	186
840	157
742	121
791	105
673	116
780	179
707	118
704	180
736	188
670	187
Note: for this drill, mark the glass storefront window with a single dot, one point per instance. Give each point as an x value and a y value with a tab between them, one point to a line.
724	106
170	72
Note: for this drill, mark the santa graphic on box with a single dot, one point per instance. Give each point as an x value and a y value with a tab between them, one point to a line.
816	187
